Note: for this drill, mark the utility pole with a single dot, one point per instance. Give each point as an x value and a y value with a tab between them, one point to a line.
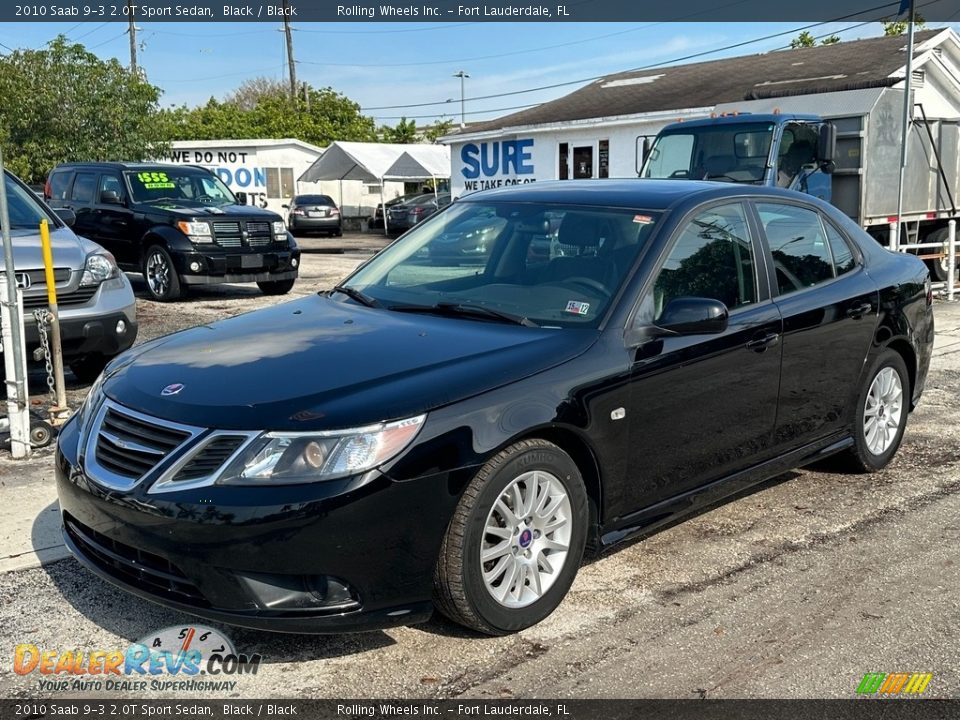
132	32
290	61
306	95
463	76
907	119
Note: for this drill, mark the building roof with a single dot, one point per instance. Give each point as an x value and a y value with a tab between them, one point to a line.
249	142
373	162
855	64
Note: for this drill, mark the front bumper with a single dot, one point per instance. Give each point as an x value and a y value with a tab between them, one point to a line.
226	267
192	549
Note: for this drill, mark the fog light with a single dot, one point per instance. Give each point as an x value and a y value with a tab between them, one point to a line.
121	327
194	266
299	592
295	262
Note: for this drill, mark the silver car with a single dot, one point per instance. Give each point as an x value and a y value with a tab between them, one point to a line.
97	307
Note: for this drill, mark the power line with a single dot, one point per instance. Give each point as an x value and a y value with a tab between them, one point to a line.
105	42
91	32
692	56
435	115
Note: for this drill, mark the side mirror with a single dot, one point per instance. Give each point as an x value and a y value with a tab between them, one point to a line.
68	216
827	146
285	206
241	197
694	316
110	197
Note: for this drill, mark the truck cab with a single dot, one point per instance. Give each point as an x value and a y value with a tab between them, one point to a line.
787	151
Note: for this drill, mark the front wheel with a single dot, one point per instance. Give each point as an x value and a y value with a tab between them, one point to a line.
882	408
163	283
276	287
515	542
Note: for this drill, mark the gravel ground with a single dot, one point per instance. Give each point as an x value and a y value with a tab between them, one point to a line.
793	590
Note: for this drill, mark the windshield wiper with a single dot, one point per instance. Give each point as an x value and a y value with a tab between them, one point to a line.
355	294
465	310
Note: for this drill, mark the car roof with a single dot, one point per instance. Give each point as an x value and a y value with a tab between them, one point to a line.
129	166
629	193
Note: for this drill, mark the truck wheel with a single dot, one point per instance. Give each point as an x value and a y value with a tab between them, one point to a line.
938	267
163	283
88	368
276	287
514	544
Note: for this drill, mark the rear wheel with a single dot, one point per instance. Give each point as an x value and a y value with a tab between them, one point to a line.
882	408
276	287
514	544
163	283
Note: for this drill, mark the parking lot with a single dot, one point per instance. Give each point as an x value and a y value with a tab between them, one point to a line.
795	589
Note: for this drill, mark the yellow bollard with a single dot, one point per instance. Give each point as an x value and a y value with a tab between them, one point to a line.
56	348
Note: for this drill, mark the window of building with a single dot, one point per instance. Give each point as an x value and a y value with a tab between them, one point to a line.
583	162
603	159
279	182
563	163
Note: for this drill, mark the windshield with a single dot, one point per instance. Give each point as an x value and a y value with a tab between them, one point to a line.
730	153
183	186
25	211
555	265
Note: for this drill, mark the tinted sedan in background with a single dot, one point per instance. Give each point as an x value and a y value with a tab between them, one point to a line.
314	213
455	436
405	215
377	219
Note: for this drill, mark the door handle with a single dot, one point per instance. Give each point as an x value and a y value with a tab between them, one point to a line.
762	341
859	311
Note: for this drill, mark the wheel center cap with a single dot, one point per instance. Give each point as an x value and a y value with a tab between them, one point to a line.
526	537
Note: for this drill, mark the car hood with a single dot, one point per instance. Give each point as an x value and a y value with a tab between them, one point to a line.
233	212
321	364
28	255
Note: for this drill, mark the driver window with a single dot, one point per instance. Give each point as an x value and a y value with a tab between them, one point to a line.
712	257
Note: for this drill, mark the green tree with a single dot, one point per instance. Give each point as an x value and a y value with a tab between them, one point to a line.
62	103
255	110
405	132
832	40
803	40
899	27
438	130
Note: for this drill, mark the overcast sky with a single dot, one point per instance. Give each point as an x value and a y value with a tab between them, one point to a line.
380	64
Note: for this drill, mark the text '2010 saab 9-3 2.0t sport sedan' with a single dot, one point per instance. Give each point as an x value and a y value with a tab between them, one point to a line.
454	435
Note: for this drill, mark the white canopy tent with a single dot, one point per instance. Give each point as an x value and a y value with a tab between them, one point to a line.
377	162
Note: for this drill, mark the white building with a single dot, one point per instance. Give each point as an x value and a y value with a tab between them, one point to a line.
268	171
598	130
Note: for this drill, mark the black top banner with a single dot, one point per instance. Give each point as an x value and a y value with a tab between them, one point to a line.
474	10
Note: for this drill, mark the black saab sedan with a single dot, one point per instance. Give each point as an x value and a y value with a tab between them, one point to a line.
455	436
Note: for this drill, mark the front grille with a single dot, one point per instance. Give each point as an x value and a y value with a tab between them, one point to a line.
130	447
77	297
231	234
39	277
133	566
214	454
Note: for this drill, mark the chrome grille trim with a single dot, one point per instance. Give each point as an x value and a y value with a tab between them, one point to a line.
102	475
167	482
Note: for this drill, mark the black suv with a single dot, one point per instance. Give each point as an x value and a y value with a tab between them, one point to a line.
178	225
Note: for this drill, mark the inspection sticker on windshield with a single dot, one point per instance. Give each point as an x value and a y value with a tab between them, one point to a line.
577	308
642	219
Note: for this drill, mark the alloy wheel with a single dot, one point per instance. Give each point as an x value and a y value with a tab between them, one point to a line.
158	274
883	411
526	539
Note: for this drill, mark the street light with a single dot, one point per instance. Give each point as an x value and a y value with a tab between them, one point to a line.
463	76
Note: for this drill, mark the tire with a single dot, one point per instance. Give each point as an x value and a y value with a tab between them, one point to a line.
461	592
88	368
938	268
868	455
276	287
163	282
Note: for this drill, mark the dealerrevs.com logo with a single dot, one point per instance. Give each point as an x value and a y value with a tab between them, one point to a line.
194	658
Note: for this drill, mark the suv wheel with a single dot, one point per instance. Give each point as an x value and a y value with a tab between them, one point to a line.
88	368
515	542
163	283
276	287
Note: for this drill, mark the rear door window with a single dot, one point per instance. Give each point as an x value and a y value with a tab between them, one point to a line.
798	244
84	188
843	258
60	185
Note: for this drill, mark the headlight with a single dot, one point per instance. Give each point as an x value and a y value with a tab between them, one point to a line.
100	266
198	231
279	228
294	458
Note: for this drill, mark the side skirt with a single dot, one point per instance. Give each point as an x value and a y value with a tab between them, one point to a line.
667	511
